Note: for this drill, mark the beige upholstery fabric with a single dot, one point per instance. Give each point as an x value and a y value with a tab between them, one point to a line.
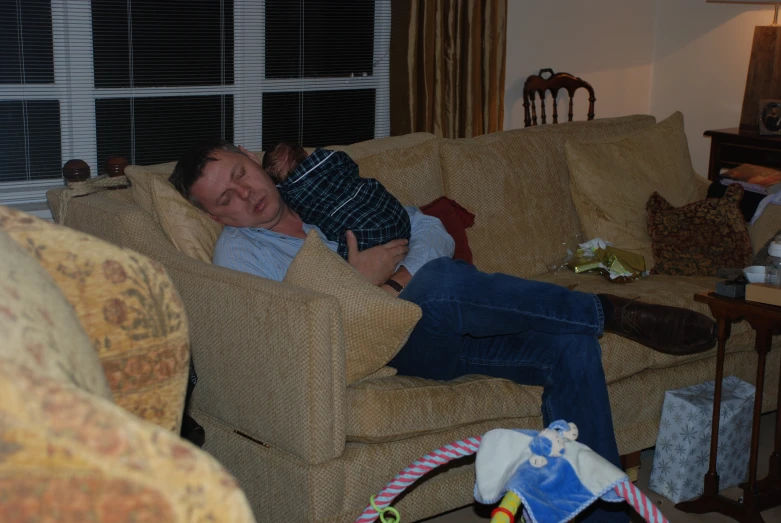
361	150
140	177
517	185
404	406
376	325
412	174
38	326
611	182
191	230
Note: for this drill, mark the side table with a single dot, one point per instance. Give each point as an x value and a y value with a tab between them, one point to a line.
732	147
757	495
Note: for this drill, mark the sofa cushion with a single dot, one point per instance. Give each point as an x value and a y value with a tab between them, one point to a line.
623	358
701	237
376	325
128	307
140	177
517	185
397	407
612	180
411	174
191	230
37	324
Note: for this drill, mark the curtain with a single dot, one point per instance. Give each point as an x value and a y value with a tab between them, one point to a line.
447	67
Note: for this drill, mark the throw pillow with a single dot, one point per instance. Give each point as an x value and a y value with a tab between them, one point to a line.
456	221
38	326
376	325
611	182
701	237
191	230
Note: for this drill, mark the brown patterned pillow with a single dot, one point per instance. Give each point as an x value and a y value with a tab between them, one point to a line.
698	238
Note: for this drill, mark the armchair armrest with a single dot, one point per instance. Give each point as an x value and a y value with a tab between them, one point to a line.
269	356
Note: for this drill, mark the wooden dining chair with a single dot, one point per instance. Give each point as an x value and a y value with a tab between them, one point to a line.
536	84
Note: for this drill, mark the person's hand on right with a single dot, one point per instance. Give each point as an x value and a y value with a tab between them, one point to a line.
377	263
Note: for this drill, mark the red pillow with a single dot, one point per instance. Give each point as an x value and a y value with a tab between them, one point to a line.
456	221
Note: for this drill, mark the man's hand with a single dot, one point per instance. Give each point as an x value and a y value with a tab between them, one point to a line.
377	263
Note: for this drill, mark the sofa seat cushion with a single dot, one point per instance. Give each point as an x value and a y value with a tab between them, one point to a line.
623	358
399	407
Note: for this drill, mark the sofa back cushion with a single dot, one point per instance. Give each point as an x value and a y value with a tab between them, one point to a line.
408	166
517	185
613	179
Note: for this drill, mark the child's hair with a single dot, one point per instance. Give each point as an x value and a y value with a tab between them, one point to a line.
282	158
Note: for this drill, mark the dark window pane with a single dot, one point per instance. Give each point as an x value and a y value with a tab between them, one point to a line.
329	117
26	54
38	147
338	38
164	127
175	43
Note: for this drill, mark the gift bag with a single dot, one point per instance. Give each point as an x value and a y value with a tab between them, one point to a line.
682	450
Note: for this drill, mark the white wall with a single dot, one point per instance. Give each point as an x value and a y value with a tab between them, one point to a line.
641	56
700	65
609	43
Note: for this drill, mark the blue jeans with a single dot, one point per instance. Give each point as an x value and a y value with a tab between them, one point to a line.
530	332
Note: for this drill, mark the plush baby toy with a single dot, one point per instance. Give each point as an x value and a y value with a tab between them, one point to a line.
548	474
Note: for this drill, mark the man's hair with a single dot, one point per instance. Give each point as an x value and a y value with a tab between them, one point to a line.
190	166
278	157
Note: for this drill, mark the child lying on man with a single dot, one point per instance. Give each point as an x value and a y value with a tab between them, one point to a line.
324	188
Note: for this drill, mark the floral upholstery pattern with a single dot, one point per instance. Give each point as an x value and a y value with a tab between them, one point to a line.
39	327
128	307
699	238
70	456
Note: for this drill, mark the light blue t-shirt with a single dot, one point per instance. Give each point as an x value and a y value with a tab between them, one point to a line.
268	254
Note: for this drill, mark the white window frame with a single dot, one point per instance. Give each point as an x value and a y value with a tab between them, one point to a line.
77	95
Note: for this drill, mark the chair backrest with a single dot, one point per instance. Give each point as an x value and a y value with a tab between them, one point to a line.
536	84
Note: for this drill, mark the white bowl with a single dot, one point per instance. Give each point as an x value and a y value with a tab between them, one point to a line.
775	249
755	273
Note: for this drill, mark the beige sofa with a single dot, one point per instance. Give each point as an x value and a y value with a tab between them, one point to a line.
272	393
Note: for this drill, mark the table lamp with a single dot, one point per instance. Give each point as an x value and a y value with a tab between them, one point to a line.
764	68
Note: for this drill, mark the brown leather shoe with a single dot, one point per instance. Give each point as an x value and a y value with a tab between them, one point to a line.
671	330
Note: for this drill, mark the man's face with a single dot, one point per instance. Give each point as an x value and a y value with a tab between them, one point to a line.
235	190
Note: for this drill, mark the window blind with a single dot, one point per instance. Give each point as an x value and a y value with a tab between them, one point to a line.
144	79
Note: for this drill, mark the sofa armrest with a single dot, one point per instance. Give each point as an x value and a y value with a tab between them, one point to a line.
270	357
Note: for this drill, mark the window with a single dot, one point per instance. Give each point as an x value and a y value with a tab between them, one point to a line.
144	79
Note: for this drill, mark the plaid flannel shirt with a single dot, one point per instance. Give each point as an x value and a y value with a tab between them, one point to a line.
326	190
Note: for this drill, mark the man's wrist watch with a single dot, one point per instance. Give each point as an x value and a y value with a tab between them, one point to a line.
396	286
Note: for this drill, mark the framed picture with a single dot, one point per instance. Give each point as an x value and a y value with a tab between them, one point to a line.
770	117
